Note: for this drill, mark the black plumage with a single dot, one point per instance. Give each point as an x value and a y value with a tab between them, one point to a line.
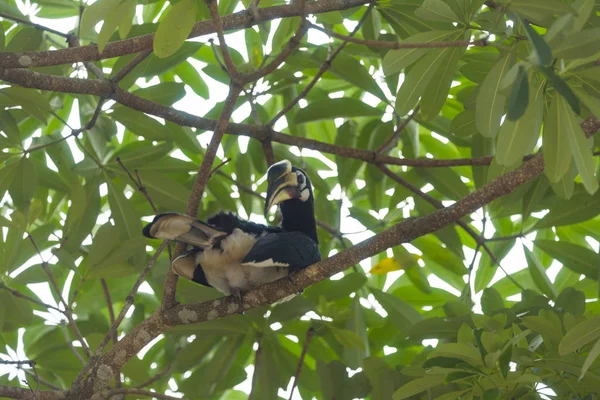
234	255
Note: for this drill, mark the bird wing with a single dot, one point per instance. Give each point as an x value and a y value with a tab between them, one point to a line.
293	250
182	228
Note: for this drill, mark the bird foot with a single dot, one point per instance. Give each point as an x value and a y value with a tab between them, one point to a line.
237	296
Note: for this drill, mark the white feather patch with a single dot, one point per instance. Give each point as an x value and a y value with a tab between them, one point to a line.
265	264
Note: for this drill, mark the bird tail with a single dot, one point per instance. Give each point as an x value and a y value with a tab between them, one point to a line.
182	228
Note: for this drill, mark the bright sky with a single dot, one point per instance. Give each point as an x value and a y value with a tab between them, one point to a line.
196	105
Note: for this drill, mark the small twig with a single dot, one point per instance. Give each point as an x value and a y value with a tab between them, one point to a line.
138	184
130	298
39	380
157	377
508	237
31	363
16	293
231	69
309	334
324	67
404	45
129	67
218	167
70	343
289	48
111	314
394	136
33	24
267	147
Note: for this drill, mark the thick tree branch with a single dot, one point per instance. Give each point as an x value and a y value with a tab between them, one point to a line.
403	232
13	392
98	87
239	20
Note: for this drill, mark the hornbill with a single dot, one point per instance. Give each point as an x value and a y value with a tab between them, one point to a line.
233	255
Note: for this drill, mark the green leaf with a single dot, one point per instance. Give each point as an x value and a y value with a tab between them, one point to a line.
127	17
350	69
125	216
346	136
538	274
417	79
581	151
576	258
464	352
589	360
436	10
491	301
463	124
165	191
2	38
571	301
334	108
562	88
401	313
96	13
581	334
579	208
27	39
174	28
557	157
254	47
24	183
436	93
417	386
139	123
519	96
538	11
579	45
490	103
165	93
542	50
111	21
191	77
446	181
396	60
515	137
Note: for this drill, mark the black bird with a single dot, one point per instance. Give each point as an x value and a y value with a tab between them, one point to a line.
233	255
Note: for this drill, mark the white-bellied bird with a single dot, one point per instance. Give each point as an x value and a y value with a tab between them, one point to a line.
234	255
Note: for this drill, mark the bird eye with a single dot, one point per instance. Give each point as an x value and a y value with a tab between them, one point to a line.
301	179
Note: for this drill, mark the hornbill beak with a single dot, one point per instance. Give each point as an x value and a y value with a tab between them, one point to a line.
282	184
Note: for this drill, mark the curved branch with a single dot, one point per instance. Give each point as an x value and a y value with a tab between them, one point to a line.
98	87
239	20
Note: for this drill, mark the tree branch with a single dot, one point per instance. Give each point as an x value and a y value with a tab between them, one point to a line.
404	45
402	232
13	392
19	20
235	21
98	87
309	334
324	67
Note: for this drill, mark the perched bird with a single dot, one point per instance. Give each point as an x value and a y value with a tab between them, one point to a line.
233	255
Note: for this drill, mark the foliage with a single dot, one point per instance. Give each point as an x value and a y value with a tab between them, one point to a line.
532	71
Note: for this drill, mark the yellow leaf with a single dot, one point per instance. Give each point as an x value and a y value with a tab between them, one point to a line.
392	264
